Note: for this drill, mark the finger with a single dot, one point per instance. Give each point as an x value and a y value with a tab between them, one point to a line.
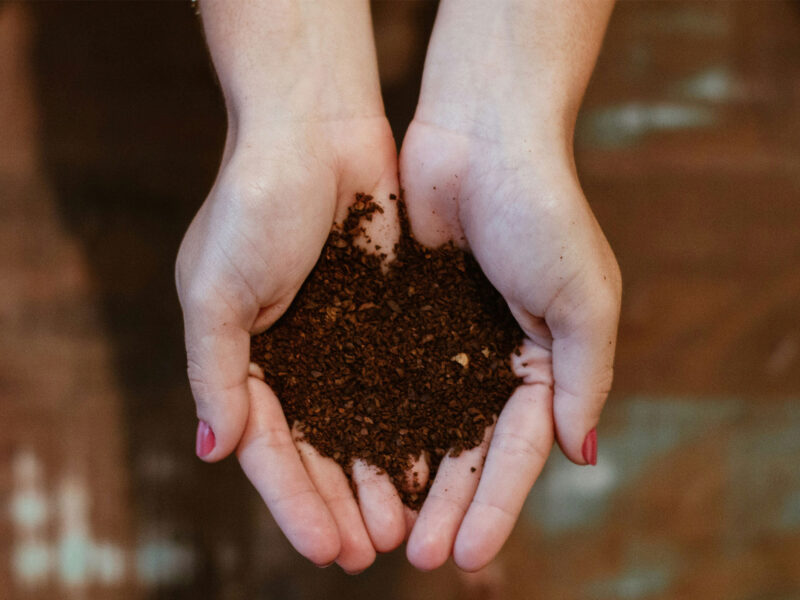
381	506
218	354
269	459
583	368
356	551
518	449
431	541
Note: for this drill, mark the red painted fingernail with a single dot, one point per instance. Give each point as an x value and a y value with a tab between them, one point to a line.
589	449
205	440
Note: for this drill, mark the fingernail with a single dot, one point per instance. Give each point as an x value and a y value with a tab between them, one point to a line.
589	449
326	566
205	440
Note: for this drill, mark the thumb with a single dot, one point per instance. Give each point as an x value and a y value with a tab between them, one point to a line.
218	361
584	339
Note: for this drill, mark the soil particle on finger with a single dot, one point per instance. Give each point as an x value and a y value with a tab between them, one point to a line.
390	365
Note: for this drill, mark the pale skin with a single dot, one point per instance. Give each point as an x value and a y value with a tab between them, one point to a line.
487	162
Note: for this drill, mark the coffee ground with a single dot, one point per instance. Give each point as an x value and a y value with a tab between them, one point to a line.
391	366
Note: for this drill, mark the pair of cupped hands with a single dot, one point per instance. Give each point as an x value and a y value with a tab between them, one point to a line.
510	196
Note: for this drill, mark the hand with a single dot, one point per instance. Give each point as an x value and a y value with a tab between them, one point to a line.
487	162
243	259
306	131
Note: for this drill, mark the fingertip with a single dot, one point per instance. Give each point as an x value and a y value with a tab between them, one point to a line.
425	550
324	550
471	553
480	537
391	536
205	440
580	452
221	425
356	554
310	528
576	425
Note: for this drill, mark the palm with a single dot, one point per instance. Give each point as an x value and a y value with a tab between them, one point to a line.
526	221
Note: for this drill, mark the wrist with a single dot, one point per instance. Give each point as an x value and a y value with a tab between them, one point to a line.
478	76
495	70
293	61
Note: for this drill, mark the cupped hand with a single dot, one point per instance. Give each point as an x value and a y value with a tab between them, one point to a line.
518	207
243	259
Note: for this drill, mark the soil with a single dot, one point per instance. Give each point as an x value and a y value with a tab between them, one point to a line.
391	365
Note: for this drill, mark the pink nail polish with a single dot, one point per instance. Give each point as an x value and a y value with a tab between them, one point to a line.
205	440
589	449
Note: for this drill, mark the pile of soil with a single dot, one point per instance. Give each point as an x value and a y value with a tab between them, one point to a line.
390	366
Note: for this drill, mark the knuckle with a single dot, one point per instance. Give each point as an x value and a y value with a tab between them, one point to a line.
272	438
199	385
518	446
294	497
496	506
194	371
573	407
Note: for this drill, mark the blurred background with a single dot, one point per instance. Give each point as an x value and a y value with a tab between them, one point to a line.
688	145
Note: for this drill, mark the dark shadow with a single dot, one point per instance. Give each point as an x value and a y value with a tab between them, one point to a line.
132	130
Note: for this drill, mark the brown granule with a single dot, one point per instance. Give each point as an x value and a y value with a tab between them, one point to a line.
390	366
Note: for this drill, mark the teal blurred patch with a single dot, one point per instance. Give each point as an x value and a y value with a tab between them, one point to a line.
714	84
790	515
701	20
634	432
764	489
632	584
627	124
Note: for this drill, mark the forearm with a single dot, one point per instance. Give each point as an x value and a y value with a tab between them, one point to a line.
293	60
533	58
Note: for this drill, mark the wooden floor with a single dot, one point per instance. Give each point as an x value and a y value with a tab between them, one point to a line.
689	151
